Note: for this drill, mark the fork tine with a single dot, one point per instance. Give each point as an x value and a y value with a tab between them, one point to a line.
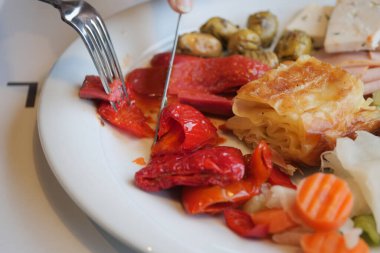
88	23
95	49
111	55
100	50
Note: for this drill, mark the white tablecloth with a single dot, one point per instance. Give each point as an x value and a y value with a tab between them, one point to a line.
36	215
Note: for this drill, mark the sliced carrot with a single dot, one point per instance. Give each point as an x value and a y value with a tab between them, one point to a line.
330	242
324	201
277	220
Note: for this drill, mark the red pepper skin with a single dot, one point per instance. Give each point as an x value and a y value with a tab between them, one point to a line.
183	129
163	59
207	103
278	177
127	118
207	75
241	223
215	199
261	163
92	89
147	81
211	166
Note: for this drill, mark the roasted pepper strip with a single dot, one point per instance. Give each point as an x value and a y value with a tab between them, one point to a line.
241	223
212	75
261	163
127	118
209	166
278	177
163	59
215	199
92	88
183	129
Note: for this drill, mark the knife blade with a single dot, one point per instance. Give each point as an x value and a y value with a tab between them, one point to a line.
168	75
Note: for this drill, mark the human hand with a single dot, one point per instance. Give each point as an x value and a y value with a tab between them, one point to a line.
181	6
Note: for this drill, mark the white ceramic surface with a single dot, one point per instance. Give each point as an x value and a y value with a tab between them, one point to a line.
94	162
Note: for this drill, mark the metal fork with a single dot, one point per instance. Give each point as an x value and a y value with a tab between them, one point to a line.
89	24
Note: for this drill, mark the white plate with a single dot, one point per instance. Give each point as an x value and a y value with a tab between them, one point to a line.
94	162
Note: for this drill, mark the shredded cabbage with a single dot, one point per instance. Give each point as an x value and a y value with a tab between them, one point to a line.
358	162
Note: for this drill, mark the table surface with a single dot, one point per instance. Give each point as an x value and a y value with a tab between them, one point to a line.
36	214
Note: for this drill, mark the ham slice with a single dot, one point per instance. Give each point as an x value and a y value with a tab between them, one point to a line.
371	74
357	71
364	65
370	87
349	59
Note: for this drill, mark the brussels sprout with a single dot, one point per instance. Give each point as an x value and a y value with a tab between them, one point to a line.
242	40
293	44
267	57
221	28
265	24
199	44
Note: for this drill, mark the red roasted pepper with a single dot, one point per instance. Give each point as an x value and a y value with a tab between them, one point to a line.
215	199
183	129
210	166
278	177
241	223
261	163
92	88
163	59
207	103
208	75
127	118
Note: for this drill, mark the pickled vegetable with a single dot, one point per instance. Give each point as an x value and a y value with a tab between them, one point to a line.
244	40
199	44
293	44
267	57
264	24
368	224
221	28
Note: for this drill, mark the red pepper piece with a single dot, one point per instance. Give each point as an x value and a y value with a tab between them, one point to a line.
148	81
207	103
208	75
241	223
92	89
215	199
261	163
278	177
211	166
163	59
128	118
183	129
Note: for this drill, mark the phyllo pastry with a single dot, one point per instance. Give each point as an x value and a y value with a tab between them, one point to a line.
301	108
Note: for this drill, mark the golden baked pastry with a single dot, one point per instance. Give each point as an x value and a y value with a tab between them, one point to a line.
300	109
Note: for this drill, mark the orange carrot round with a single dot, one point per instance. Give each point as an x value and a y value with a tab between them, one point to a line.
324	201
330	242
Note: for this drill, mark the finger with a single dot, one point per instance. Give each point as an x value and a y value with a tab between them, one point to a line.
181	6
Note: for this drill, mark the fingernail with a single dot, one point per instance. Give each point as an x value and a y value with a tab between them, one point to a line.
182	6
